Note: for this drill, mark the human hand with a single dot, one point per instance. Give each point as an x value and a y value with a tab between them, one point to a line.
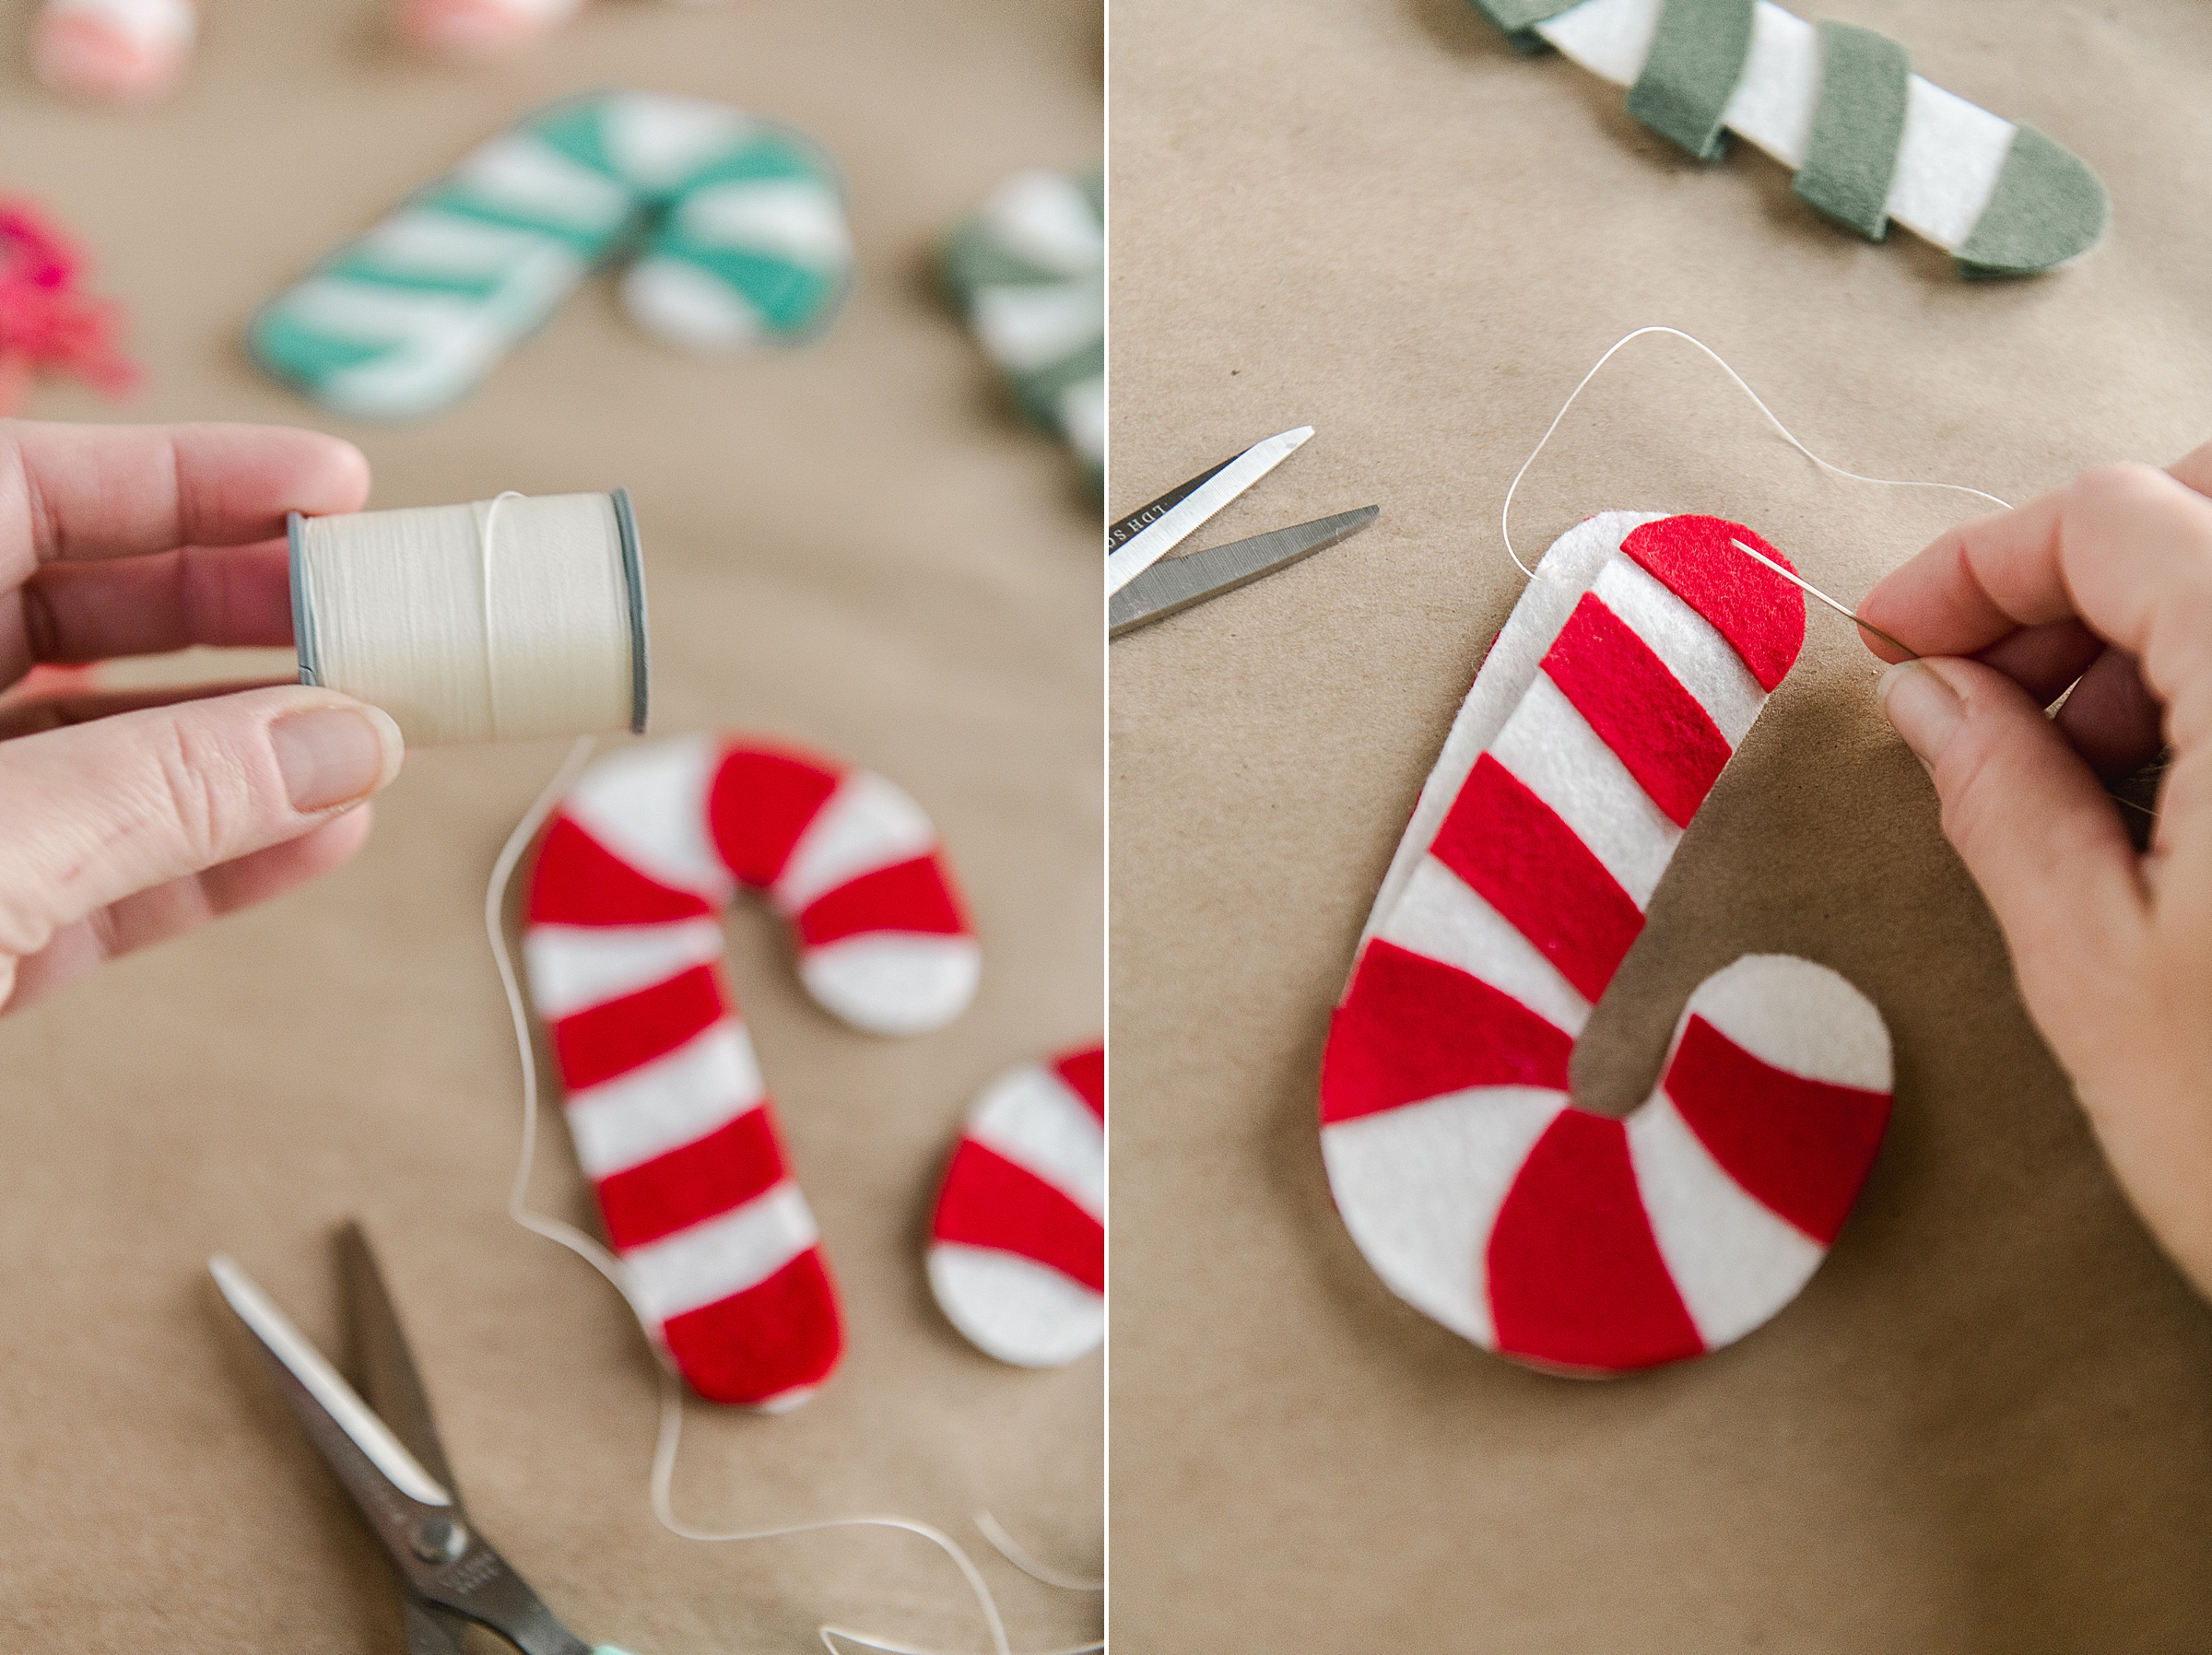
128	818
2107	580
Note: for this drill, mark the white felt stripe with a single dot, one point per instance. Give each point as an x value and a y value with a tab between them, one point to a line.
1555	753
1798	1017
574	967
1439	918
1947	164
657	141
648	805
866	824
1704	662
1031	326
702	1085
522	173
423	240
1044	218
790	219
1420	1189
1562	576
689	306
894	982
1029	1115
1734	1262
723	1256
1013	1308
374	311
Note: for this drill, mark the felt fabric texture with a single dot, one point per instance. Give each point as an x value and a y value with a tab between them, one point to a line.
114	51
1425	247
1546	1247
744	237
1696	58
664	1095
1029	271
1860	122
1948	154
847	545
1017	1254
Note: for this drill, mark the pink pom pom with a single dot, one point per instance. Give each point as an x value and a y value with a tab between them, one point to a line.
46	323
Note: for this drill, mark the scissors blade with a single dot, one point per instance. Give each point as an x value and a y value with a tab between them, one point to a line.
1167	588
1140	540
383	1359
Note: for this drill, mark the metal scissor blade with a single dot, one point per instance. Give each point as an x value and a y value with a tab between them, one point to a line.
1192	504
1167	588
383	1361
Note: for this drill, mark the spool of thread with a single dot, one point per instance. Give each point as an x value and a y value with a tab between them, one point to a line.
500	621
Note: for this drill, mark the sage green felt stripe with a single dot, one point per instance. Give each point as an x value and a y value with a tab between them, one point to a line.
2048	207
1696	58
1857	127
1518	18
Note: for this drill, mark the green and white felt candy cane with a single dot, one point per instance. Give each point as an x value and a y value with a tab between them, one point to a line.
737	227
1870	140
1029	271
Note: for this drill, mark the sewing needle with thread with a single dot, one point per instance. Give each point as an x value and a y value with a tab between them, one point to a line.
1848	613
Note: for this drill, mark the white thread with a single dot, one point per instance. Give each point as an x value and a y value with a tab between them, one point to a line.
1005	1546
670	1433
1505	514
409	610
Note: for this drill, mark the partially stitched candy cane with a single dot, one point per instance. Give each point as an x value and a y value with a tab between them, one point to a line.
1018	1244
1626	677
665	1100
743	242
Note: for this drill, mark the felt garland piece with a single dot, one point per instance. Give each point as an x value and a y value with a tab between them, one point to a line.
665	1099
1029	271
114	51
47	323
1018	1244
1870	140
1625	678
744	240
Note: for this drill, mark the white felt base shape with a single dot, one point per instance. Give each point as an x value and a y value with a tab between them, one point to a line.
1018	1243
1632	667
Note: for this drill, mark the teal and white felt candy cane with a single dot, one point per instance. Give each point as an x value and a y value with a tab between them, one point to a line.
1870	140
738	226
1029	270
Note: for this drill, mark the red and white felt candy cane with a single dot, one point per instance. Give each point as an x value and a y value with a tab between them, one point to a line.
118	51
1018	1244
1626	677
665	1100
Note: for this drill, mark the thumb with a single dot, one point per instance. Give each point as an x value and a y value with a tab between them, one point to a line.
2028	818
97	812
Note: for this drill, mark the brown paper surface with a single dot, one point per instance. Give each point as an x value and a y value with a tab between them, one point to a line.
853	544
1984	1425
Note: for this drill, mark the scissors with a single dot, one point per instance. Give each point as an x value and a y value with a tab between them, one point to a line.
386	1451
1141	588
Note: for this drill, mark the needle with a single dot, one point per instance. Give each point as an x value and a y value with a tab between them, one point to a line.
1808	586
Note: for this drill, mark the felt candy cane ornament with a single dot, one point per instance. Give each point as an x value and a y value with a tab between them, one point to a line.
1029	269
114	51
738	228
1017	1242
475	28
1870	140
1626	677
664	1101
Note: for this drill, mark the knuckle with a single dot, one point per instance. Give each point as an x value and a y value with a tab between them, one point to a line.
197	792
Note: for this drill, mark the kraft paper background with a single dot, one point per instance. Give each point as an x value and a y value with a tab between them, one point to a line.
1986	1426
855	545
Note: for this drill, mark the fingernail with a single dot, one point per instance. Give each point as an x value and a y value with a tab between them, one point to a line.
333	755
1922	706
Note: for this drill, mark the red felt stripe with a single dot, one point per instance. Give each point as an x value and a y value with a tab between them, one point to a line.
1575	1275
758	804
1513	848
578	881
620	1035
1085	1074
989	1201
1801	1146
1638	709
1760	615
777	1336
693	1181
1412	1028
914	896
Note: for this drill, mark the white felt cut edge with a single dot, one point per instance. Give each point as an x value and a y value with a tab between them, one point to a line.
647	806
1024	1313
1946	165
1798	1017
656	139
574	967
1029	1115
796	219
894	982
1439	918
678	1099
1563	574
675	300
721	1256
